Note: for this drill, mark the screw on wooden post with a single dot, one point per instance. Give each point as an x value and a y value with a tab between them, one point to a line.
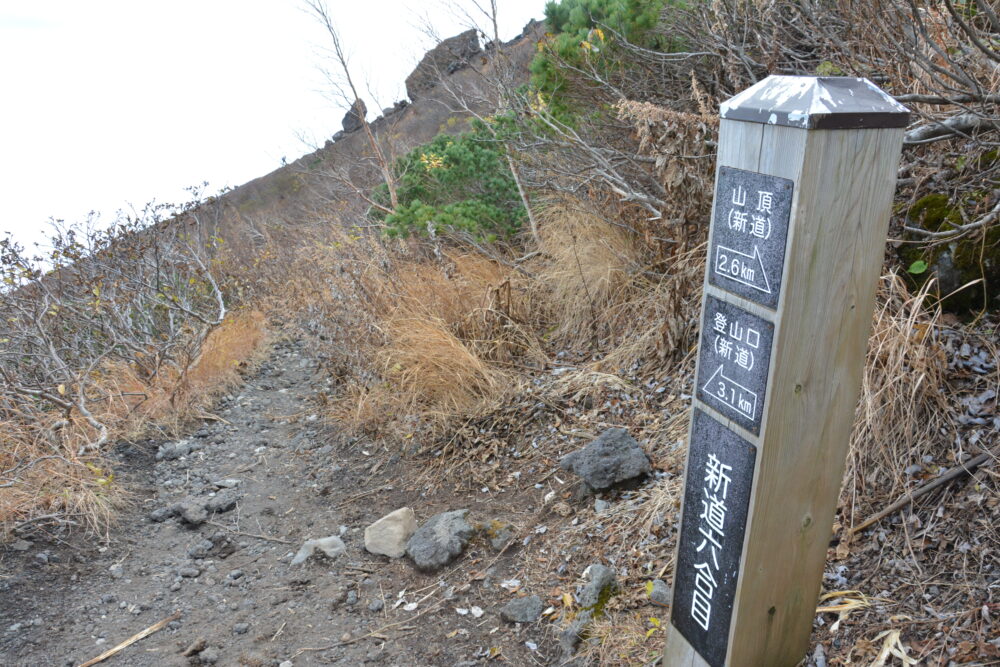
806	174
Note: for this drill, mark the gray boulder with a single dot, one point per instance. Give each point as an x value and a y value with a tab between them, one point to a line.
613	458
354	120
446	58
523	610
440	540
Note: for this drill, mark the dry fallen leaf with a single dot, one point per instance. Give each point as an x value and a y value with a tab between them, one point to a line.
892	646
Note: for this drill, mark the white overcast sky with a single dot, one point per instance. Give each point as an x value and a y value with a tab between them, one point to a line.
110	103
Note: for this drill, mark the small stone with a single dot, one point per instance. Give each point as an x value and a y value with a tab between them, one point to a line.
286	663
601	580
523	610
117	571
202	549
161	514
601	506
352	598
209	656
171	452
570	637
227	483
440	541
235	574
388	536
192	511
223	501
819	656
500	534
376	605
241	628
20	545
195	647
659	594
332	546
189	572
346	637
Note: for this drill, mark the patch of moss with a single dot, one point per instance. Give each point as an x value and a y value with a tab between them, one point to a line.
597	609
934	212
987	159
495	527
827	68
958	263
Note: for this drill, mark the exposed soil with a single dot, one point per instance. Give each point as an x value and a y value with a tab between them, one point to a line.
238	598
66	598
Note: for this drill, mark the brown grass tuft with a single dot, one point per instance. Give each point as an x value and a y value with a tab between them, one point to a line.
905	397
593	267
43	476
437	337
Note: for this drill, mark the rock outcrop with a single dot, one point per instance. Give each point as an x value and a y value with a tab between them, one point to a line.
355	118
446	58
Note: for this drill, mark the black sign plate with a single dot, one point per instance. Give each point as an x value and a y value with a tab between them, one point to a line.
747	255
716	500
733	360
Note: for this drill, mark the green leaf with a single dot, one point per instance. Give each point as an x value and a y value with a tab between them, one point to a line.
917	267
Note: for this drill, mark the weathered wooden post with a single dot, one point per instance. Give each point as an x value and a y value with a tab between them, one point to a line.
806	173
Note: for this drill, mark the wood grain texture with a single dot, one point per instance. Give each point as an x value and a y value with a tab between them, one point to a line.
844	183
839	222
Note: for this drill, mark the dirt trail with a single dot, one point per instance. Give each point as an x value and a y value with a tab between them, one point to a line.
272	477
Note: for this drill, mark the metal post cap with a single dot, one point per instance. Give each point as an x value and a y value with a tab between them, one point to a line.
816	103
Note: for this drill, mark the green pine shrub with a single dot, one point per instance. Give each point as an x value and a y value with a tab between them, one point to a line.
455	183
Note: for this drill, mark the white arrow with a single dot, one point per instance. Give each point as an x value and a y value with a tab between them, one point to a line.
741	267
731	400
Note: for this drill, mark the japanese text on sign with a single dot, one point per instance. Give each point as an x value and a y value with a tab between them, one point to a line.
733	362
748	234
711	525
716	500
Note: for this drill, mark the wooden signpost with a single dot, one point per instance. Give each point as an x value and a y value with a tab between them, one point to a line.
806	174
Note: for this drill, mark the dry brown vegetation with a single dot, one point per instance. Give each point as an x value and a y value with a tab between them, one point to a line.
469	351
47	478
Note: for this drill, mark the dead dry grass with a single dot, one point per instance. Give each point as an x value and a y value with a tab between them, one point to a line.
46	480
592	267
611	292
906	401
